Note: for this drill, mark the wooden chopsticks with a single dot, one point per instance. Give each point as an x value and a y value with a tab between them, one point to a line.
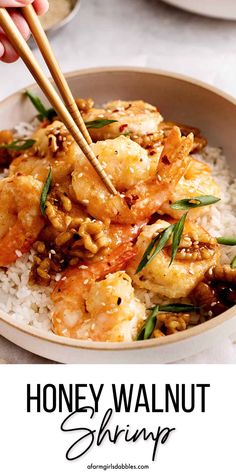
72	118
59	79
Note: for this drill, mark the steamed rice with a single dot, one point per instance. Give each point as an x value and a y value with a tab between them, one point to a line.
32	306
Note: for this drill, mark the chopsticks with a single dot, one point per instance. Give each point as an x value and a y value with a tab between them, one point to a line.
59	79
26	54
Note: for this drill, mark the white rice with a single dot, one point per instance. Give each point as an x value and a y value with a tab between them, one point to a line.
32	306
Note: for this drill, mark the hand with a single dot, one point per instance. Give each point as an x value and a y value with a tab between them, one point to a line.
7	52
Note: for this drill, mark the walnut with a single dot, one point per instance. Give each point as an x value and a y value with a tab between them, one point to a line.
217	292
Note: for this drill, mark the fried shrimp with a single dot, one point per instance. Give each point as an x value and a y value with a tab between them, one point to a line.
197	252
140	199
54	148
20	217
97	301
133	118
196	181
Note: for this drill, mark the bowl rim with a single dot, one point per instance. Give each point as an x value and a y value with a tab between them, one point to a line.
73	12
116	346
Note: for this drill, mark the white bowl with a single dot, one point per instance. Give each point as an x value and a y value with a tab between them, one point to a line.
181	99
223	9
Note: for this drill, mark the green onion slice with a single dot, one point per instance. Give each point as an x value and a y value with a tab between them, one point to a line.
233	263
194	202
159	242
44	113
177	235
150	323
45	192
231	241
178	308
19	144
155	246
99	123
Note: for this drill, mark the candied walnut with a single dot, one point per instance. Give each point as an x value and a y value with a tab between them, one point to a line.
148	140
157	333
171	323
195	252
222	273
217	292
6	137
84	104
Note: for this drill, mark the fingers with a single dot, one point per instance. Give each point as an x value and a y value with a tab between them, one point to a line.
14	3
2	50
41	6
21	24
7	52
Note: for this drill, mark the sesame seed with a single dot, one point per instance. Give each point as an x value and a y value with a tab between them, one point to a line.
86	281
83	267
57	277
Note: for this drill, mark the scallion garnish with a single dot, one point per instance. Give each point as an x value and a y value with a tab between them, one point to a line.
178	308
231	241
177	235
159	242
44	113
19	144
45	192
99	123
155	246
194	202
233	263
150	323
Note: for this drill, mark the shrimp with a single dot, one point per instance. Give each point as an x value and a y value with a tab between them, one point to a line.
97	301
143	193
20	218
197	252
54	148
135	118
199	141
196	181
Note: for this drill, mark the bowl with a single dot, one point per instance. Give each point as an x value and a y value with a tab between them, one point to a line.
52	30
225	10
179	99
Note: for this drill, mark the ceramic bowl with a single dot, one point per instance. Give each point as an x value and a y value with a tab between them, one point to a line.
224	10
179	99
53	30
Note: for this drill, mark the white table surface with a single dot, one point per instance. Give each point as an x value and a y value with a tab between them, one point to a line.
138	33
